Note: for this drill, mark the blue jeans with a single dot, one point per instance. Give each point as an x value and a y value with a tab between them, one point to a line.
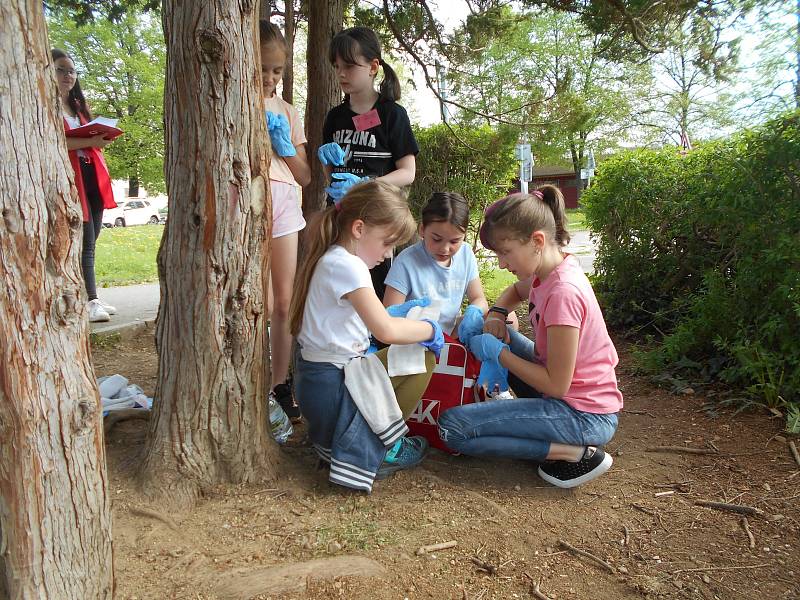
525	427
338	432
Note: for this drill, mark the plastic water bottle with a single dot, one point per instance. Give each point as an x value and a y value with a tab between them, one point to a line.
279	423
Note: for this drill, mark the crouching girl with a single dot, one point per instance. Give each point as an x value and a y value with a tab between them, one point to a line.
355	411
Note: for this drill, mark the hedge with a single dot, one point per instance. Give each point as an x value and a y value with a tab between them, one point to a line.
701	254
478	163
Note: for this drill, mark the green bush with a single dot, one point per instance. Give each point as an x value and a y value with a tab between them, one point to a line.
702	253
478	163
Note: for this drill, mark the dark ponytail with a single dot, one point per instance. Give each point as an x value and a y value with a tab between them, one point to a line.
390	86
446	207
76	99
350	44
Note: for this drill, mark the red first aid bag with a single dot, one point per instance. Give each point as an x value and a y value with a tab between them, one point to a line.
454	382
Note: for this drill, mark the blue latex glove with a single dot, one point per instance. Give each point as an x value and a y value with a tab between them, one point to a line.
281	134
372	349
331	154
471	324
486	347
342	183
494	376
401	310
436	343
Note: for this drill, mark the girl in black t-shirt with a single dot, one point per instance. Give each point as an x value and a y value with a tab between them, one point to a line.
368	136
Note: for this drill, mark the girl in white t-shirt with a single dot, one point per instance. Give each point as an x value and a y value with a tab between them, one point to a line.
333	311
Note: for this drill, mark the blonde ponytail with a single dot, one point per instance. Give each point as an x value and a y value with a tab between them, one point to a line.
320	233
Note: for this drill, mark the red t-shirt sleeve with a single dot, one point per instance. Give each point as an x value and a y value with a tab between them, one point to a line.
565	306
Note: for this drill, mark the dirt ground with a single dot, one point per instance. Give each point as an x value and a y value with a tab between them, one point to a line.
300	537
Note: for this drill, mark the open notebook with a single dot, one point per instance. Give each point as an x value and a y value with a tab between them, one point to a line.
98	126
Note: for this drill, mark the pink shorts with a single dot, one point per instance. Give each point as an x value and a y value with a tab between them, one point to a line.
287	214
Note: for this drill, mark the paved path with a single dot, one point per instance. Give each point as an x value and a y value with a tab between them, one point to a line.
139	303
582	247
134	303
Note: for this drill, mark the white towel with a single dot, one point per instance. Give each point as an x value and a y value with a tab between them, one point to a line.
372	392
409	359
112	385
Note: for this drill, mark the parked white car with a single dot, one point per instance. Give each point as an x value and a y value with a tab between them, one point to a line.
132	212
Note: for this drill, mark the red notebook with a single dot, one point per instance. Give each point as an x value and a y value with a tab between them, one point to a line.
100	125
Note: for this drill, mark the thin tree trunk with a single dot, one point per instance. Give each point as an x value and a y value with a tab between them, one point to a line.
288	71
55	523
324	21
797	57
210	423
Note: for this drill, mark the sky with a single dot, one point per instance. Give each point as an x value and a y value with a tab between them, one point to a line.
426	106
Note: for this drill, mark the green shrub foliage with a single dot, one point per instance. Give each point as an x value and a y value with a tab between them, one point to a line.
702	252
477	163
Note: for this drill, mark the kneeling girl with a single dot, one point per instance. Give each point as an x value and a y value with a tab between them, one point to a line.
566	386
355	411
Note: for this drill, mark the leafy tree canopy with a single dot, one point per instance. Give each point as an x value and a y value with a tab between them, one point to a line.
121	64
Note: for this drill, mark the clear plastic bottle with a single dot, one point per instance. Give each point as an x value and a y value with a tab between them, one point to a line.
279	423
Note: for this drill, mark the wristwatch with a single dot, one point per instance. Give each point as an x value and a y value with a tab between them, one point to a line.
499	310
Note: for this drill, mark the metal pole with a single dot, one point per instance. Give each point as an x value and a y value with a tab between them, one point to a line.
523	185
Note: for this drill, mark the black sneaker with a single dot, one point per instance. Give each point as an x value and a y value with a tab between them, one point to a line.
283	395
565	474
407	452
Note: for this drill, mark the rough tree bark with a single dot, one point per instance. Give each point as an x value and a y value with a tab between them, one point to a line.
55	524
288	72
324	21
210	423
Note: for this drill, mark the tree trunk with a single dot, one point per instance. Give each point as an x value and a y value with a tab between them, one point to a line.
55	523
288	71
324	21
133	186
797	57
210	423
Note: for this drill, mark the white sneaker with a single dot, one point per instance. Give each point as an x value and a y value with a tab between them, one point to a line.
97	314
107	307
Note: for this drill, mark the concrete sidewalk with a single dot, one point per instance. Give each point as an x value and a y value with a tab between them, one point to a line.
135	304
583	248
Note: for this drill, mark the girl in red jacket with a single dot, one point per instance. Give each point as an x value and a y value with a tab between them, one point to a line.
91	175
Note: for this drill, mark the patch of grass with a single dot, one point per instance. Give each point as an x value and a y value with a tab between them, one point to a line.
127	255
495	280
356	530
576	219
105	340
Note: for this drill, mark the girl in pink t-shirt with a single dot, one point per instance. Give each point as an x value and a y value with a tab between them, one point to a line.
567	395
288	172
